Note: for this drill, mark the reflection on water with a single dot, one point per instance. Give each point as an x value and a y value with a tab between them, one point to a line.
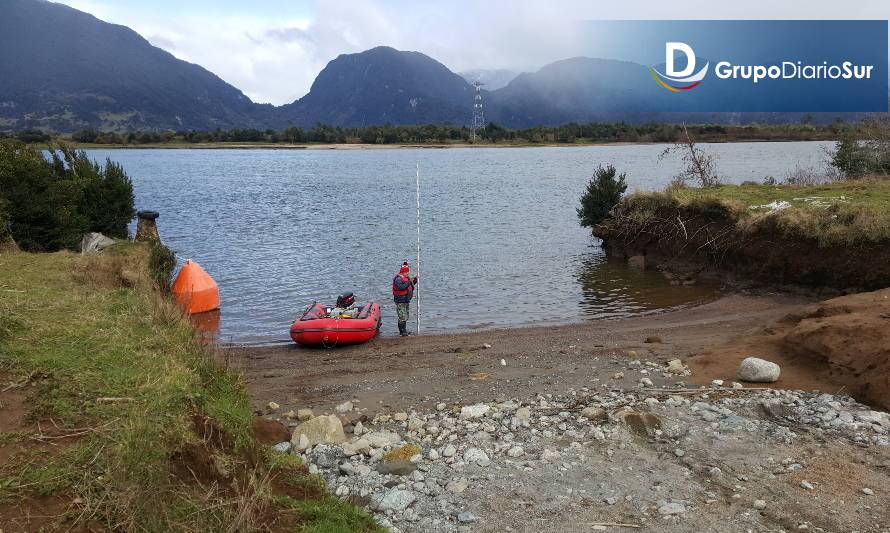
280	229
610	288
207	325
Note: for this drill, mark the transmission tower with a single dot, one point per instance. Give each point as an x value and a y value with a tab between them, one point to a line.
478	115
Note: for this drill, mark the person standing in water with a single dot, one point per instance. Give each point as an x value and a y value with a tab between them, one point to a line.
402	292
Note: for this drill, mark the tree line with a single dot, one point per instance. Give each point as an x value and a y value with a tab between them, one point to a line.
570	133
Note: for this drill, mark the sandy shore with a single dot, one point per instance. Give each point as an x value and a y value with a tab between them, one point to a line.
403	373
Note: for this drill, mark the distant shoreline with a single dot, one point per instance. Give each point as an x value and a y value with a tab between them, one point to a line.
405	146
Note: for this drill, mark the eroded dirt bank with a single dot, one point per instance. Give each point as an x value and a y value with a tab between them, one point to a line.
844	341
834	237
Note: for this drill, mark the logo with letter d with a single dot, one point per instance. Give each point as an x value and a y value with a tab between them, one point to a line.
685	78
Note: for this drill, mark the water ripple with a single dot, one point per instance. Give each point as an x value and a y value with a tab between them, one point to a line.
502	246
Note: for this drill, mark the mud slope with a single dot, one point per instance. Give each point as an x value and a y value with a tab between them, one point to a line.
839	344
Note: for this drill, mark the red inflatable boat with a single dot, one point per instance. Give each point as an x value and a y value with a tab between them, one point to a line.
315	327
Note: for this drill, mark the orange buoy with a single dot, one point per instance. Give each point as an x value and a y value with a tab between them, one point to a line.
195	290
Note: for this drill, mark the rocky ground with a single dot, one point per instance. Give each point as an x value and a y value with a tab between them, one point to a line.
712	459
600	426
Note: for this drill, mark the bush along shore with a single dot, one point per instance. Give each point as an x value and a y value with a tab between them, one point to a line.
444	134
834	235
116	418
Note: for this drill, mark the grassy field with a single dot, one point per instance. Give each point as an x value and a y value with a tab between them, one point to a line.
114	417
866	193
842	213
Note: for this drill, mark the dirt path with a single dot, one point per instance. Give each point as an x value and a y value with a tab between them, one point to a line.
395	373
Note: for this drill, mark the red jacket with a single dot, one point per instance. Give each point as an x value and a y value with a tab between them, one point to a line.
402	289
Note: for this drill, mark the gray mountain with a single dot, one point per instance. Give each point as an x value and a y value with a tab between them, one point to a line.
62	69
378	86
584	89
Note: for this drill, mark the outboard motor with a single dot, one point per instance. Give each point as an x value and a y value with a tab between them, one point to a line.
345	300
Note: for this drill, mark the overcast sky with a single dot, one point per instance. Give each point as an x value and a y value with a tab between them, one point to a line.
272	50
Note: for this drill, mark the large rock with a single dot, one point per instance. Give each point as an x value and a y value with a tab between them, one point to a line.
476	456
516	451
474	411
396	468
392	500
353	448
757	370
319	430
671	508
597	414
94	242
380	439
457	486
676	366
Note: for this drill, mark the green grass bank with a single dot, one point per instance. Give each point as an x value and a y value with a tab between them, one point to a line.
835	235
114	417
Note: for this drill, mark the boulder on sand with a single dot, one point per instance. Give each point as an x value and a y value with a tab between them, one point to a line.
758	370
319	430
675	366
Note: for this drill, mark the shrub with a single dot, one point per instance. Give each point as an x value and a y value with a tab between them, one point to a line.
603	193
4	220
43	214
865	150
402	453
804	176
849	157
32	136
84	136
107	201
161	263
698	165
53	201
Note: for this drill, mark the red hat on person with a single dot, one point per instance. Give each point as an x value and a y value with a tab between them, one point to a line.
404	269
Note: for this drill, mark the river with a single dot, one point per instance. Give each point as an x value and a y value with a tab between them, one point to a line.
501	244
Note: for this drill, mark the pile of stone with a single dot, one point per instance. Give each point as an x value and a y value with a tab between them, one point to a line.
417	471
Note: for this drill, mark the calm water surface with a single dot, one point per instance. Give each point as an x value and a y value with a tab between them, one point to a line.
279	229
